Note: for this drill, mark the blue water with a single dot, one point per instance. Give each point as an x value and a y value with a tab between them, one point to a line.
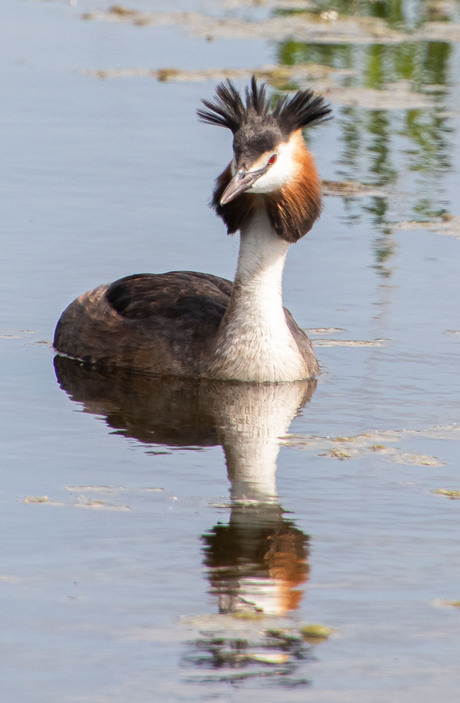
110	501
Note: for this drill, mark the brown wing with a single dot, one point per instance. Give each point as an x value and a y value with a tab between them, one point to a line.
177	295
159	323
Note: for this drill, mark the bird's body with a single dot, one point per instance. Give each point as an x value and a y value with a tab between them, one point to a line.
199	325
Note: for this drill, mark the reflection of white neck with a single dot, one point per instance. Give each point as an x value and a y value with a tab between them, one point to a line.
254	479
254	341
252	425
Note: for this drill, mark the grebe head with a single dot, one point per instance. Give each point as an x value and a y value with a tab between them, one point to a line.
270	157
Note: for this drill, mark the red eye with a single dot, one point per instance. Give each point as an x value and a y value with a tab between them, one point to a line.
272	159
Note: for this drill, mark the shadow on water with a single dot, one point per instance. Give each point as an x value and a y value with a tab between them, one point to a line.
258	562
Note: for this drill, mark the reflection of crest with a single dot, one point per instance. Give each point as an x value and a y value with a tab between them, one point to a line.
257	562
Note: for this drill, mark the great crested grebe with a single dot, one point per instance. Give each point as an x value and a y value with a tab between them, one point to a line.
198	325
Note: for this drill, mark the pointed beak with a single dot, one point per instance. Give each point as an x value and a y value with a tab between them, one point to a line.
240	183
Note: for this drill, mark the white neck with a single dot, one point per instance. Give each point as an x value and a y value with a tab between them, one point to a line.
258	279
254	342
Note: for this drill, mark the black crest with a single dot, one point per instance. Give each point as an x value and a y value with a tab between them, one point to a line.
287	114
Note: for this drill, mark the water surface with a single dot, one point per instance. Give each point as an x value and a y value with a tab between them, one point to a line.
159	541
